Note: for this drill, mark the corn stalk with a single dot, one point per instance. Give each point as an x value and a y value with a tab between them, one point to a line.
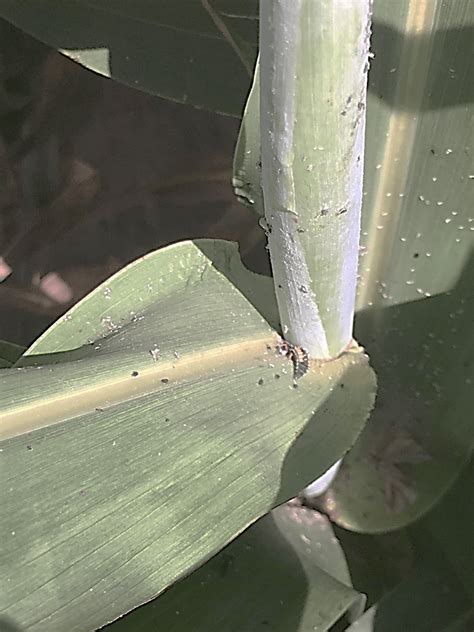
314	62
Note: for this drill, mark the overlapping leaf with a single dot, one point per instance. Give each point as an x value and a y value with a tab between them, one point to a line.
416	268
438	592
9	353
189	51
286	572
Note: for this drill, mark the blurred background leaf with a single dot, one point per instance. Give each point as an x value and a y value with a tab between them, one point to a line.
197	52
436	591
9	353
74	206
428	601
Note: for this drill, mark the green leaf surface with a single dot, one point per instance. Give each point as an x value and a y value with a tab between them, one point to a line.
9	353
157	423
286	572
418	222
188	51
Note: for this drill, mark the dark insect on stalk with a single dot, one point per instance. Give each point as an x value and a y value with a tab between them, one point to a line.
297	355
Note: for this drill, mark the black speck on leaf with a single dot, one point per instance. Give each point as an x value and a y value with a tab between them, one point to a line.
134	373
164	380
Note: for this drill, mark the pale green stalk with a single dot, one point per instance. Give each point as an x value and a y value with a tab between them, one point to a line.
314	61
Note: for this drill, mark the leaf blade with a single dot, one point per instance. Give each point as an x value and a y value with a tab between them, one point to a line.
128	496
282	568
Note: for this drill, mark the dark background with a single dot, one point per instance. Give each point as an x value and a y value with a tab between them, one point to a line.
95	174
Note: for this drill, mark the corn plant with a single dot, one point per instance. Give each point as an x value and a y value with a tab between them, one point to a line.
177	412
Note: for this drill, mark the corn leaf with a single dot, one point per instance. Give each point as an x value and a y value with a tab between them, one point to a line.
417	268
438	593
286	572
148	427
428	600
9	353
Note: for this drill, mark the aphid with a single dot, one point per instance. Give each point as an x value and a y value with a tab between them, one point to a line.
155	353
297	355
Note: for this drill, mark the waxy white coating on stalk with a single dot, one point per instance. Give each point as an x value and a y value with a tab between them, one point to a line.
298	313
313	58
301	310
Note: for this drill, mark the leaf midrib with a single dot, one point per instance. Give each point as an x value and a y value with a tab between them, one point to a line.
44	410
